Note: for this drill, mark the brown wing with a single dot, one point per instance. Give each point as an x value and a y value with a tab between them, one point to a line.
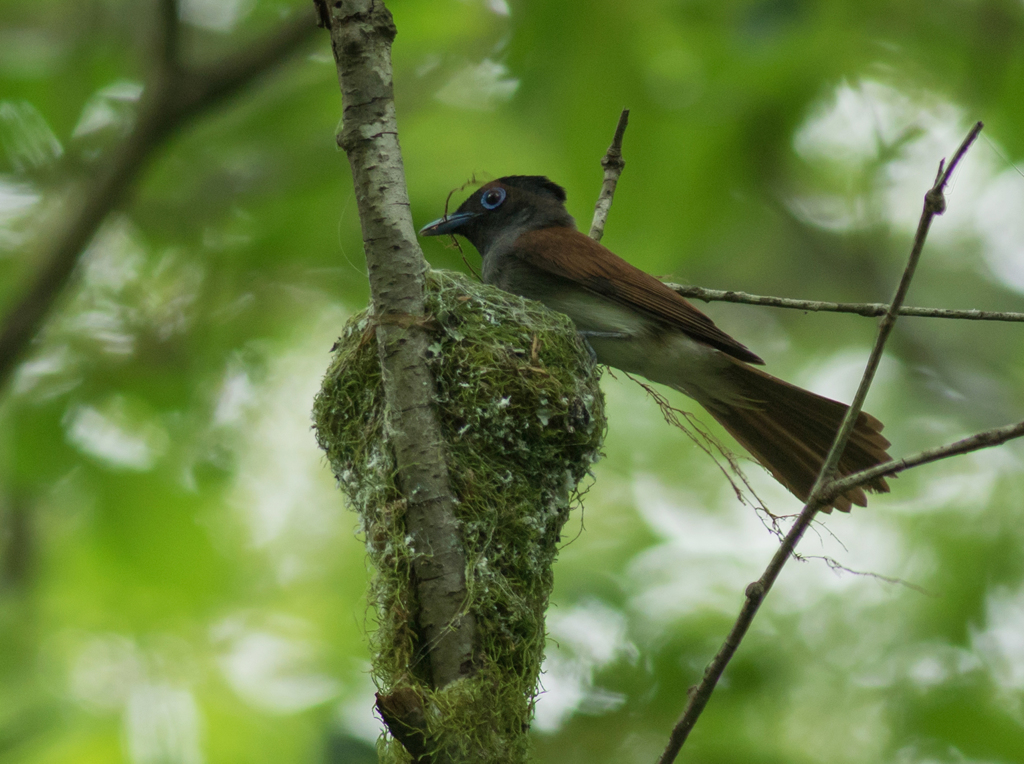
585	261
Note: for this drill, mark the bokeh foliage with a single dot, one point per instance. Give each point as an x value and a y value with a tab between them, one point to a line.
179	578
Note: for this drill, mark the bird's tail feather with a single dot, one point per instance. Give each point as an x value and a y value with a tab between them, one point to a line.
789	430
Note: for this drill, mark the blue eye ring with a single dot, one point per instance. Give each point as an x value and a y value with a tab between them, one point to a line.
492	198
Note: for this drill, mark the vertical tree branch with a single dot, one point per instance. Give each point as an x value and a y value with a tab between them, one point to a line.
361	36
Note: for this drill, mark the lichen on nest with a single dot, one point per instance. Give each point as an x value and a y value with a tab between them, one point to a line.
522	418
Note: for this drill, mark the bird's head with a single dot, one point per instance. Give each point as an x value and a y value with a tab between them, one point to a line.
504	207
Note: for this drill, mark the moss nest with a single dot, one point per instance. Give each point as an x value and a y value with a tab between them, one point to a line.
522	417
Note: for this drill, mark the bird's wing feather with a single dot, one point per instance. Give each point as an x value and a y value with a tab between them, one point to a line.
574	256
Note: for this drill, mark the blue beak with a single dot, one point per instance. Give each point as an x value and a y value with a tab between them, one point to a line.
448	224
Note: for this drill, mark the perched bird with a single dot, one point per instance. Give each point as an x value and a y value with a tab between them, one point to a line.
530	247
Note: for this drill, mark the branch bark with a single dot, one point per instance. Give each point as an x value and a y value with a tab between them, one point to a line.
173	95
361	36
934	204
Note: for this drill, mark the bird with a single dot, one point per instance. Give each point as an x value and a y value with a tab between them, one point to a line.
530	246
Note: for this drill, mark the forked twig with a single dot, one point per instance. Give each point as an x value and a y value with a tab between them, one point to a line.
825	488
934	204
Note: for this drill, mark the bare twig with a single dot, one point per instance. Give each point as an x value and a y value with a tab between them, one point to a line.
173	95
837	566
613	164
934	204
361	36
981	440
870	309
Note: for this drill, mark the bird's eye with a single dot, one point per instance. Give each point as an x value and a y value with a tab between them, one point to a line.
492	198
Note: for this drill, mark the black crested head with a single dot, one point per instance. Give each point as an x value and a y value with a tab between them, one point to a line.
503	209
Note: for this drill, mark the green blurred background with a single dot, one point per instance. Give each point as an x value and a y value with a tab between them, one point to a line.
180	581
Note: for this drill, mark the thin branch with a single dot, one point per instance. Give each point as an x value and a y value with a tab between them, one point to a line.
986	439
613	165
934	204
173	96
361	35
838	567
870	309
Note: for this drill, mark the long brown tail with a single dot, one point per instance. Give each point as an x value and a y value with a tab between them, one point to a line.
790	430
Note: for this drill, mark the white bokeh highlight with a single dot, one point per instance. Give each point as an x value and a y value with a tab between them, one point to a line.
582	639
